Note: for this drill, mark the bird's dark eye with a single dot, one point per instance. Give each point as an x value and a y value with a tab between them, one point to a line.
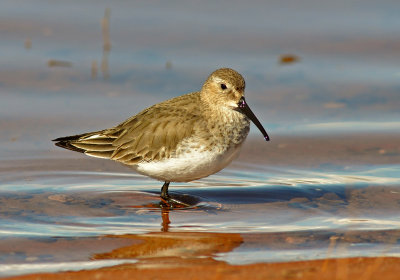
223	86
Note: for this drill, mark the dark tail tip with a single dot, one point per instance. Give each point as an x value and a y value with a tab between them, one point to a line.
65	142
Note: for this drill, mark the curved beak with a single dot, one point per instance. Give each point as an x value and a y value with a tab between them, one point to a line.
245	109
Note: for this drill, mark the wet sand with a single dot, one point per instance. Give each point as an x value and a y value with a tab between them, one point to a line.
347	268
315	150
184	255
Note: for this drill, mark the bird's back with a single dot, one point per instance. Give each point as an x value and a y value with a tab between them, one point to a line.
150	135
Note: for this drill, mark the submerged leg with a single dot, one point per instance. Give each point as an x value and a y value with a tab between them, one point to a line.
169	202
164	191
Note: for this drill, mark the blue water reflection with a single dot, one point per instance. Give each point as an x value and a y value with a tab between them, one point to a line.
238	201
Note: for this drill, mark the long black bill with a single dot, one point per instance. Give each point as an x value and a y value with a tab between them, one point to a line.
245	109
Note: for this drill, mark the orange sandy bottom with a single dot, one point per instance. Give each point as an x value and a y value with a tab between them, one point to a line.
347	268
184	255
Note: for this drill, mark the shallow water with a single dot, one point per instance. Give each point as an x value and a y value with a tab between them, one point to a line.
282	213
327	185
96	203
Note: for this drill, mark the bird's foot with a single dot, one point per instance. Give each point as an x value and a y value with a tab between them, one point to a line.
169	202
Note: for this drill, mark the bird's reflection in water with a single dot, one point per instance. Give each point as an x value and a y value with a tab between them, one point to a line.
177	202
165	219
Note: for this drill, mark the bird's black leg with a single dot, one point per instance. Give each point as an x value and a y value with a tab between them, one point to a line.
164	191
168	201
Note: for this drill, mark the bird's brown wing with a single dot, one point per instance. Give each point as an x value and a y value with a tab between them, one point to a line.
150	135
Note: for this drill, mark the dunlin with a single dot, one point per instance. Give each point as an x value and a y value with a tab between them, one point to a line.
179	140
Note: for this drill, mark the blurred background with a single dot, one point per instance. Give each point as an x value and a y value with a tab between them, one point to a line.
310	66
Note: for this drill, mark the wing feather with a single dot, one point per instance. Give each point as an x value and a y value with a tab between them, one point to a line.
150	135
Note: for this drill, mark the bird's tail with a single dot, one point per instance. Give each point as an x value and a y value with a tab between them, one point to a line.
96	144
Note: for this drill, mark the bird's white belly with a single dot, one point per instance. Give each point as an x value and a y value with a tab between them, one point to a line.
189	166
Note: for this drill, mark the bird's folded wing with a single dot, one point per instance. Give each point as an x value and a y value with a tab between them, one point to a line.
150	135
151	138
